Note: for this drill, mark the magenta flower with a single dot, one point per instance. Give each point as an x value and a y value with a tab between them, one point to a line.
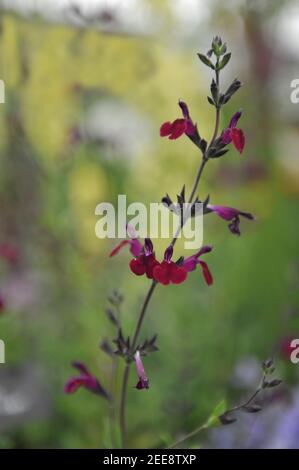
193	261
230	214
86	380
145	262
169	272
143	382
174	130
233	134
133	243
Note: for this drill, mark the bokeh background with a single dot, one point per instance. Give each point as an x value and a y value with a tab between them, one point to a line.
87	85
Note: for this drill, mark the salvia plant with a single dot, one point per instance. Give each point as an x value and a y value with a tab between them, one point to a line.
175	269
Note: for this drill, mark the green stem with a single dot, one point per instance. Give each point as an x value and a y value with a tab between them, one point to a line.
113	380
142	314
123	428
127	368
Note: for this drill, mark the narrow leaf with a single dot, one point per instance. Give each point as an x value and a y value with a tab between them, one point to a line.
273	383
224	61
225	419
219	410
205	60
252	408
106	348
218	154
112	317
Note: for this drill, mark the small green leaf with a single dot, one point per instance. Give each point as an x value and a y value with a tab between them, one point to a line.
213	419
206	61
223	49
224	61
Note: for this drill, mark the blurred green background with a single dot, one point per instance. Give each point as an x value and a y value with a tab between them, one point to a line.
85	95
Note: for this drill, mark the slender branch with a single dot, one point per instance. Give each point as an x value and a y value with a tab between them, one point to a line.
242	406
154	284
142	314
250	399
127	368
197	179
205	426
141	318
193	191
140	321
112	401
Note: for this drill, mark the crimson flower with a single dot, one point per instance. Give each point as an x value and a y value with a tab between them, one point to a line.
169	272
166	272
86	380
230	214
174	130
233	134
145	262
193	261
143	382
